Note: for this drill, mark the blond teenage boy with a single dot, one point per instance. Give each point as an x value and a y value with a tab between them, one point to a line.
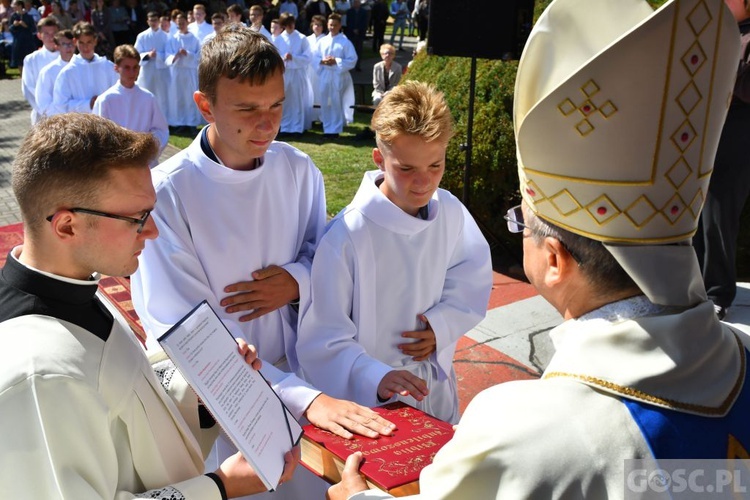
401	273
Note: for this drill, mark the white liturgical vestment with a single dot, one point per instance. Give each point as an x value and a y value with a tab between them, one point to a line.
45	86
32	67
135	109
376	269
154	76
297	89
335	83
79	81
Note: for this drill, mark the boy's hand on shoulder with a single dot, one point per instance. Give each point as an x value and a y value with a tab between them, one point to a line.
404	383
272	287
425	344
343	417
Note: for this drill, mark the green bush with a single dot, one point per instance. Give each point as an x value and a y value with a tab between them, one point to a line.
493	181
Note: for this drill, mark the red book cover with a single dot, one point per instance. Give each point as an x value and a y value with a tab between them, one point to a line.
390	461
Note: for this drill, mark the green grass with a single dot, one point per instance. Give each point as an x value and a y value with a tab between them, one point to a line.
342	161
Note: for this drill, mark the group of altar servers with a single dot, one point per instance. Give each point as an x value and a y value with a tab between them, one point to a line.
318	86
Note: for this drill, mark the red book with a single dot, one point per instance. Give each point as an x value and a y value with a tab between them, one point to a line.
391	463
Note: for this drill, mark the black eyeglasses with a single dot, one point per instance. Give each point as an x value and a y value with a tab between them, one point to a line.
516	224
140	222
514	216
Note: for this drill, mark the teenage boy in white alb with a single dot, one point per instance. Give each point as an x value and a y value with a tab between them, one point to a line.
85	77
335	56
152	45
45	84
240	216
128	105
84	414
183	53
298	97
200	28
33	63
401	274
218	20
256	21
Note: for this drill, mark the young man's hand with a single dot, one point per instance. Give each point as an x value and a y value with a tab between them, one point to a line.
240	479
249	353
343	417
351	481
425	344
271	288
404	383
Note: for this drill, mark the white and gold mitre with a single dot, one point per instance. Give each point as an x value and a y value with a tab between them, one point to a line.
618	112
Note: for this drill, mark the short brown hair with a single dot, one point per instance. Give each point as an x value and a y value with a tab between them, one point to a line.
83	28
286	19
125	52
67	34
47	21
237	52
412	108
64	160
235	9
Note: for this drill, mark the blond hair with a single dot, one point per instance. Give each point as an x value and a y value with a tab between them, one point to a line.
412	108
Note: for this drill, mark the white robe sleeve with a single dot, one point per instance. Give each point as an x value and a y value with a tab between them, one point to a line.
63	97
159	127
328	349
468	282
348	58
44	87
73	453
313	231
164	300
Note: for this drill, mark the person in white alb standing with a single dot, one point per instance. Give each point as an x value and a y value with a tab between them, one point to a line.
128	105
34	62
335	56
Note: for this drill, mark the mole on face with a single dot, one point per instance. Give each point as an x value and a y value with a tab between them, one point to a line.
239	130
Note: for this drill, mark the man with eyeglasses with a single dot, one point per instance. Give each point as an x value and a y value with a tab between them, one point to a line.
84	414
614	161
34	62
45	84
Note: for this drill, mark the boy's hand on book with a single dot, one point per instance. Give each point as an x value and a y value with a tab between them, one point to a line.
240	479
351	481
272	287
249	353
343	417
425	344
404	383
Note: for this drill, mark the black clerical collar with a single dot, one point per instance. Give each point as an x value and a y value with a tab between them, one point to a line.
211	154
41	285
